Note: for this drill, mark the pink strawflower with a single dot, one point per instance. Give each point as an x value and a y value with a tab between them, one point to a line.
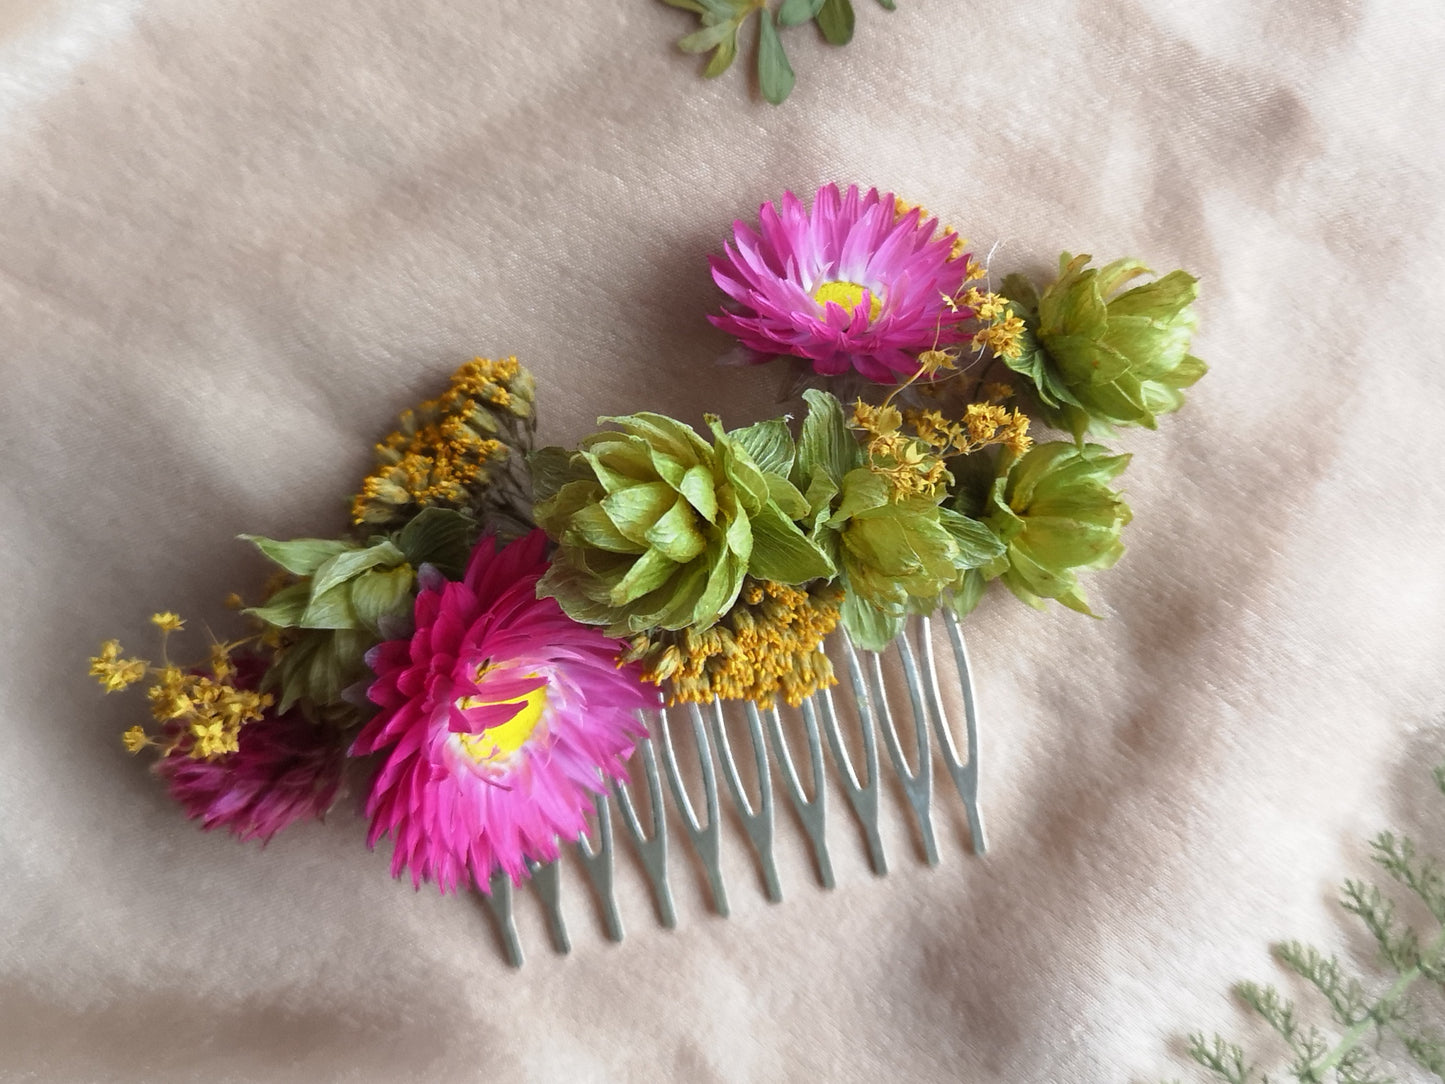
853	284
286	769
503	717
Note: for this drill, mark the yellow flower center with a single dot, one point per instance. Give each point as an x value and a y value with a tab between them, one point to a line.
849	295
501	741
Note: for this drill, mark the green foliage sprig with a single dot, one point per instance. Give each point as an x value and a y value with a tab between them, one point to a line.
723	20
1339	1052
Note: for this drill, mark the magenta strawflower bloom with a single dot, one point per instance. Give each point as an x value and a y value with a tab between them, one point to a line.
856	283
503	718
286	768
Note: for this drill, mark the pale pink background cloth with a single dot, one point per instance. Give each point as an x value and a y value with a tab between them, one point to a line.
236	239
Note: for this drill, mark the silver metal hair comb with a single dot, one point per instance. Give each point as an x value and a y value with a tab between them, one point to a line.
775	768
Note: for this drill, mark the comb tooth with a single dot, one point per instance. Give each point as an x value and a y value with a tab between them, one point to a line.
758	823
917	785
965	775
547	882
499	902
653	852
706	838
863	797
820	716
597	864
814	814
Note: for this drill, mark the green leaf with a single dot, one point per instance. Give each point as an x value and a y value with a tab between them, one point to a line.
835	20
724	582
868	626
344	566
634	510
821	491
698	487
723	56
570	585
739	535
738	467
888	5
441	537
968	592
676	533
798	12
786	496
330	609
770	444
783	553
1020	288
825	443
775	74
376	594
662	433
862	490
300	556
285	607
977	545
618	461
319	665
552	468
591	526
709	37
648	572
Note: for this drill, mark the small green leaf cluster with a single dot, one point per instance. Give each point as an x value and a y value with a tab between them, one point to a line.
1360	1009
723	21
1098	357
345	596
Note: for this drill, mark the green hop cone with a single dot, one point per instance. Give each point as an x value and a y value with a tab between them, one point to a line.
656	528
1054	510
1104	357
894	556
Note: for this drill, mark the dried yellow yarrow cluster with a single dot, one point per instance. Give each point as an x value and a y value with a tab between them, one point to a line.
201	713
1002	330
448	448
768	645
910	465
983	424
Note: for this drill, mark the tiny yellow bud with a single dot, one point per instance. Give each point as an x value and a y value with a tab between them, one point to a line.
167	621
931	361
123	674
135	739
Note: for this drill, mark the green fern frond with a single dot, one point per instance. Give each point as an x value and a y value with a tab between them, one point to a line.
1364	1019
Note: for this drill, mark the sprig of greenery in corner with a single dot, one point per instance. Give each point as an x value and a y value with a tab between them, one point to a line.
723	20
1318	1055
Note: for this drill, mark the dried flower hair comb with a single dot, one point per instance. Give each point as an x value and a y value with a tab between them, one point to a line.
503	625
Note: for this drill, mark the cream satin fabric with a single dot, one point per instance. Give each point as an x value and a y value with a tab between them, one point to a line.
237	239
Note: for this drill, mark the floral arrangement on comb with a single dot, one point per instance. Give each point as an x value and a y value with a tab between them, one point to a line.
497	614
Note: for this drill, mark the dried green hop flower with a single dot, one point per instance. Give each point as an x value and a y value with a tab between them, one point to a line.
656	528
1097	355
1054	510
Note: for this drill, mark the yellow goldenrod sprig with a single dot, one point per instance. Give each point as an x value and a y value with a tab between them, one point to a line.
448	451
